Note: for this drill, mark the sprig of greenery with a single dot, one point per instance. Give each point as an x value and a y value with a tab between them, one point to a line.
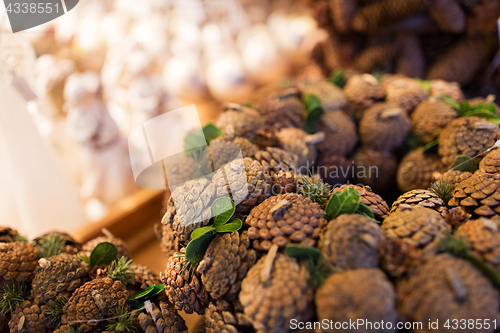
222	212
443	189
122	320
338	78
54	311
464	109
13	294
51	245
18	238
314	261
103	254
121	270
314	110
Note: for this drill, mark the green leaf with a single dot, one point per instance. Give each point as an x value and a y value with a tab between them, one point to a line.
158	289
464	107
314	110
103	254
194	140
233	225
426	85
450	102
211	132
490	107
494	121
431	144
197	233
338	78
84	259
465	163
482	113
196	248
303	252
345	202
366	211
145	293
222	210
133	303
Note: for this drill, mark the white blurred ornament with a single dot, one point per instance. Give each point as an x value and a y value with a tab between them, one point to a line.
115	27
16	55
151	34
182	76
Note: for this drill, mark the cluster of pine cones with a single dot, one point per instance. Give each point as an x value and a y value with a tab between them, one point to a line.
433	255
452	40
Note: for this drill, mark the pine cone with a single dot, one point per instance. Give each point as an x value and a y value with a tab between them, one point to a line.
454	176
282	166
378	206
411	61
58	276
405	92
225	264
384	127
362	91
223	153
331	97
375	57
343	12
340	133
448	16
123	249
455	216
240	120
299	142
478	195
351	242
466	136
335	170
399	258
223	316
482	18
71	246
18	261
444	88
283	219
361	293
375	169
275	291
248	183
180	168
94	301
267	136
189	207
280	107
28	317
447	288
163	320
417	170
430	117
169	242
490	162
419	198
143	277
185	290
7	234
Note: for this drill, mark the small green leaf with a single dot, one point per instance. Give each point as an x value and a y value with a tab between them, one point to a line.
314	110
194	140
490	107
84	259
211	132
426	85
145	293
465	163
345	202
431	144
103	254
366	211
197	233
481	113
464	107
158	289
196	248
338	78
303	252
133	303
450	102
222	210
494	121
233	225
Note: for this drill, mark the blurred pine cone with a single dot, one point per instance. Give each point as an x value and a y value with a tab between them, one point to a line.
299	142
490	162
281	165
375	57
455	216
8	234
430	117
454	176
123	249
419	198
399	258
18	261
375	169
223	153
445	88
340	133
417	170
335	170
162	320
378	206
448	16
331	97
362	91
143	277
241	120
223	316
405	92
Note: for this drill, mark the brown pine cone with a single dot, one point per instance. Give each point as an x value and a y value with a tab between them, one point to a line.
18	261
405	92
445	88
483	17
478	195
267	136
375	57
123	249
299	142
419	198
335	170
225	264
224	149
384	127
375	169
455	216
340	133
169	242
342	14
351	241
185	291
362	293
180	168
483	238
58	276
241	120
447	288
189	207
461	62
93	301
222	316
362	91
71	246
281	165
378	206
417	170
466	136
331	97
163	320
246	180
279	106
28	317
8	234
453	176
143	277
275	291
411	61
448	16
430	117
490	162
283	219
399	258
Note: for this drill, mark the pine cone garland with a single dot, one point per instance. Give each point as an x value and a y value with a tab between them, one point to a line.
28	317
351	242
123	249
430	117
421	227
247	181
281	165
225	264
490	162
162	320
283	219
94	301
58	276
419	198
362	91
405	92
370	296
377	205
447	288
375	169
275	291
143	277
340	134
384	127
185	291
18	261
417	169
466	136
222	316
331	97
241	120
